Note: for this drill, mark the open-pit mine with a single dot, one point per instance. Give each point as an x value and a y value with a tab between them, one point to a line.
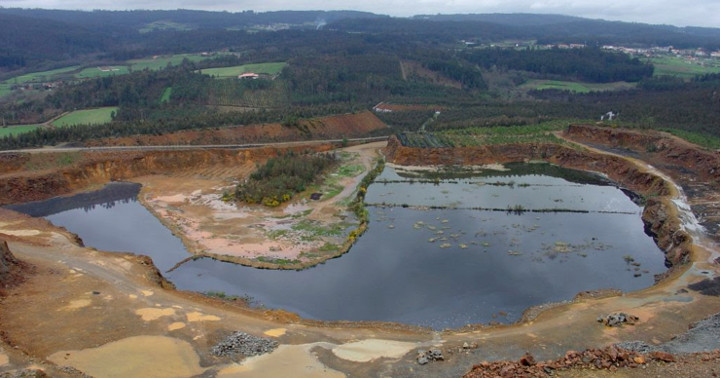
137	263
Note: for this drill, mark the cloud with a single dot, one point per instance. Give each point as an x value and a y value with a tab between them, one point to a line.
688	12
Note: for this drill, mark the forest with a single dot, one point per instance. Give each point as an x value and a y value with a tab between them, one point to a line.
334	63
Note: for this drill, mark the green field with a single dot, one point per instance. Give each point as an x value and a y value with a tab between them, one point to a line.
33	77
164	25
234	71
166	95
38	77
160	62
86	117
15	130
5	89
576	87
683	67
92	72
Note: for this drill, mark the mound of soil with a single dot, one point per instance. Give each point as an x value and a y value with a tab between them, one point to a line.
11	269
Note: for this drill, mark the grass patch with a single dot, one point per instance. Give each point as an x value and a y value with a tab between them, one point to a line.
351	170
332	191
93	72
314	229
577	87
704	140
235	71
683	67
276	234
329	247
160	62
97	116
165	25
166	95
5	89
37	77
277	261
15	130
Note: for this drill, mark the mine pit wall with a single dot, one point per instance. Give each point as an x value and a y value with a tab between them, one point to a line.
705	164
98	168
659	215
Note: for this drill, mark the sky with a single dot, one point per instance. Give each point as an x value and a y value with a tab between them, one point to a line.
672	12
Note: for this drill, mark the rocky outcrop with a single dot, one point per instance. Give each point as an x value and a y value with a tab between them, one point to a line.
704	164
610	358
12	162
11	269
664	226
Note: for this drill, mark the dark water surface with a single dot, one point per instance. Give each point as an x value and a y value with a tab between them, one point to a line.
442	268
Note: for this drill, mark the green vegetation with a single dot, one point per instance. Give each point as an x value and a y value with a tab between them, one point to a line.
503	76
282	177
313	230
235	71
102	71
584	64
701	139
86	117
477	136
351	170
166	95
165	25
15	130
684	67
160	62
577	87
5	89
357	206
36	77
277	261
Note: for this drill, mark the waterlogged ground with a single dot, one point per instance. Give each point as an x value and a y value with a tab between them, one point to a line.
496	243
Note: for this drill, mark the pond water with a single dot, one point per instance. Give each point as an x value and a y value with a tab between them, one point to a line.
499	243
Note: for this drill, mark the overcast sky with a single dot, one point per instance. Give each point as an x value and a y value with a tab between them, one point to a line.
673	12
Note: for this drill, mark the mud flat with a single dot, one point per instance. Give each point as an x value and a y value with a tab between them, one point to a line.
296	235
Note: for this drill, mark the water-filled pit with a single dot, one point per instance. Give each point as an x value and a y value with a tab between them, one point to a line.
494	244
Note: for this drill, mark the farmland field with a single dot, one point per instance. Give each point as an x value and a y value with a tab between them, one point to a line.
577	87
682	67
234	71
39	76
161	62
92	72
15	130
86	117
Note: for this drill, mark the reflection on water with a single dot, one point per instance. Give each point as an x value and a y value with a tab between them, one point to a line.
441	268
112	219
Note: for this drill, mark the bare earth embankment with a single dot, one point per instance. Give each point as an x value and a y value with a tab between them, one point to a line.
108	314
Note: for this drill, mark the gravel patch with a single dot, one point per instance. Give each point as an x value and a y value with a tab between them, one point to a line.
704	336
243	344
